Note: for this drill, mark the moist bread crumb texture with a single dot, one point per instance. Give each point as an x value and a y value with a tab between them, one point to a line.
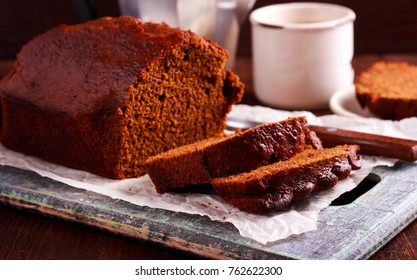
388	89
105	95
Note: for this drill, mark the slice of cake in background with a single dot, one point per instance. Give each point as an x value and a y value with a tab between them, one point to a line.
388	89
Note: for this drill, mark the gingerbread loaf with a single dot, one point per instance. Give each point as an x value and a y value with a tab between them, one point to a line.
389	90
105	95
200	162
273	187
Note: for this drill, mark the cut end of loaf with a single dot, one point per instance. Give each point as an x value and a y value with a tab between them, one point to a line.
175	103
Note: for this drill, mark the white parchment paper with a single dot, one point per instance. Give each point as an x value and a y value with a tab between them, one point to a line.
300	217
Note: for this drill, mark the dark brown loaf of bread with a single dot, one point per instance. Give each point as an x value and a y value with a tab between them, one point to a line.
200	162
273	187
389	89
105	95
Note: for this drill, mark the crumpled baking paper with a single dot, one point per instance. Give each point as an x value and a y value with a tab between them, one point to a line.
299	218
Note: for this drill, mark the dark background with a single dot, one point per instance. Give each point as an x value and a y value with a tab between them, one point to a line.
382	26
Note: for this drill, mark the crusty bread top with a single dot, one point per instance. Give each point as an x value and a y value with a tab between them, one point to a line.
388	79
84	67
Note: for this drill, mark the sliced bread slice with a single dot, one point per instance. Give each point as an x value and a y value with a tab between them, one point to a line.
274	186
202	161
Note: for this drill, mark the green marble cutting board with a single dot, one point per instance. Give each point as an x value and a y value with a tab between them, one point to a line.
352	231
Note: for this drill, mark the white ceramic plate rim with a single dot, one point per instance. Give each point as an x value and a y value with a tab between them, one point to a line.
344	103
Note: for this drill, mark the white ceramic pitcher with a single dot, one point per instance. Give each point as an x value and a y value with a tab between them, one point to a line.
219	20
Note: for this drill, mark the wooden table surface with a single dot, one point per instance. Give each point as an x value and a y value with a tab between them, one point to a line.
26	235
